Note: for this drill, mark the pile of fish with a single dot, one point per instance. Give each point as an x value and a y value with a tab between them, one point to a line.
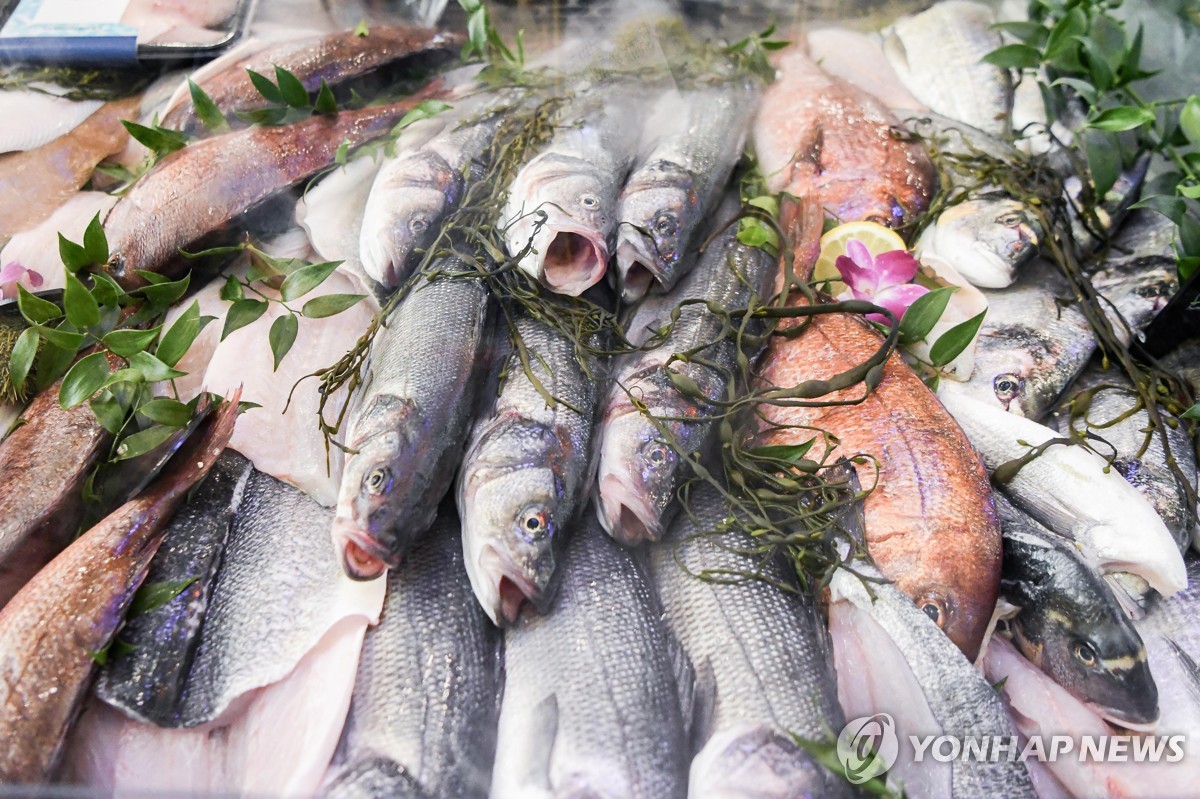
519	572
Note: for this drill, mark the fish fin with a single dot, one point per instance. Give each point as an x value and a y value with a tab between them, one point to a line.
685	680
377	776
539	749
1189	667
703	705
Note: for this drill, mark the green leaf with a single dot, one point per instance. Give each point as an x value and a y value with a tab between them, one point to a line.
176	341
36	310
52	362
424	110
127	343
1063	43
95	242
206	110
1032	33
923	314
242	313
283	336
951	343
1187	267
329	305
106	290
1172	208
343	152
1192	412
1126	117
1014	56
1189	119
291	89
265	87
125	376
61	337
305	279
267	117
765	203
154	595
81	307
108	412
159	140
144	441
83	380
232	290
153	278
1189	236
165	410
361	30
153	369
1191	192
74	256
1104	160
21	358
1081	87
164	295
784	452
325	103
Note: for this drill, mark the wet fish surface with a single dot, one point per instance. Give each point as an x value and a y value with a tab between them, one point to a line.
762	666
423	717
590	703
146	678
527	470
411	424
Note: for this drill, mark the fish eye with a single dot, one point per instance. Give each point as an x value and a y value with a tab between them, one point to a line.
1009	220
935	608
418	224
1007	387
379	480
534	523
657	453
589	201
665	224
1085	654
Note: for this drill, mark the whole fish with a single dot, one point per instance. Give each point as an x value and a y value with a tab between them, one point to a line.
44	463
1137	273
761	662
146	678
71	609
644	450
590	702
333	59
423	717
414	412
938	54
1071	491
527	471
331	213
278	591
819	134
1069	624
196	190
1112	411
695	138
562	207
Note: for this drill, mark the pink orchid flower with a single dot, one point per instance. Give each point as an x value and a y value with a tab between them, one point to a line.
11	274
883	279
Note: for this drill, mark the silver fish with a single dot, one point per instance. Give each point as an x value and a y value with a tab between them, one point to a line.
407	434
938	55
696	137
641	456
1138	274
423	716
1070	625
590	702
562	207
526	473
763	671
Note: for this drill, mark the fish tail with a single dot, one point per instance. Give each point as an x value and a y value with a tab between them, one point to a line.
802	219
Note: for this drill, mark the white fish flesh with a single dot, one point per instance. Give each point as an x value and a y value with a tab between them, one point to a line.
37	248
332	213
36	117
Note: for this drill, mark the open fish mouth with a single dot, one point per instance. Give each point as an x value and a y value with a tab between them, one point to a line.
362	558
625	516
512	589
635	267
573	260
1122	719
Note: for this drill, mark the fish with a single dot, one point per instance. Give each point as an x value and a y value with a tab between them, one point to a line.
1072	492
817	134
645	448
406	436
44	463
561	208
527	471
694	139
1070	625
1109	210
1137	274
757	646
331	213
1111	411
938	54
591	704
423	717
858	58
40	117
71	609
196	190
145	680
333	59
37	247
37	182
894	665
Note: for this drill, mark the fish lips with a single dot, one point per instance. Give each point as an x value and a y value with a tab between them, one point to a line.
362	557
510	589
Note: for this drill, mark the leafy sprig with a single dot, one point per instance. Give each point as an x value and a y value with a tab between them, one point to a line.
288	100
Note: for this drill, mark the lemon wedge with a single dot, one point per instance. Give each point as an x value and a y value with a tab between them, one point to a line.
874	236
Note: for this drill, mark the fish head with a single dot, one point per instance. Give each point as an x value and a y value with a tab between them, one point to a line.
1017	367
512	535
365	528
1094	653
758	755
656	219
986	240
639	477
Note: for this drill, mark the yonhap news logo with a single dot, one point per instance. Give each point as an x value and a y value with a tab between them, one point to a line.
867	747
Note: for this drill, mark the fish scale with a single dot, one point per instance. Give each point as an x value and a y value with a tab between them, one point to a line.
590	704
762	665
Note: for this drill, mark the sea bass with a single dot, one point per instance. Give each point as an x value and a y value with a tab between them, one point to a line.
817	133
1070	625
423	718
590	704
412	419
72	608
644	451
562	207
762	666
527	471
693	140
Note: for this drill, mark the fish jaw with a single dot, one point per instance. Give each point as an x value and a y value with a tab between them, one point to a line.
655	221
987	241
500	587
637	479
634	276
1160	565
362	559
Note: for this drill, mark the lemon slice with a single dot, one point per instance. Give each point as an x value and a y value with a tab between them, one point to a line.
874	236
